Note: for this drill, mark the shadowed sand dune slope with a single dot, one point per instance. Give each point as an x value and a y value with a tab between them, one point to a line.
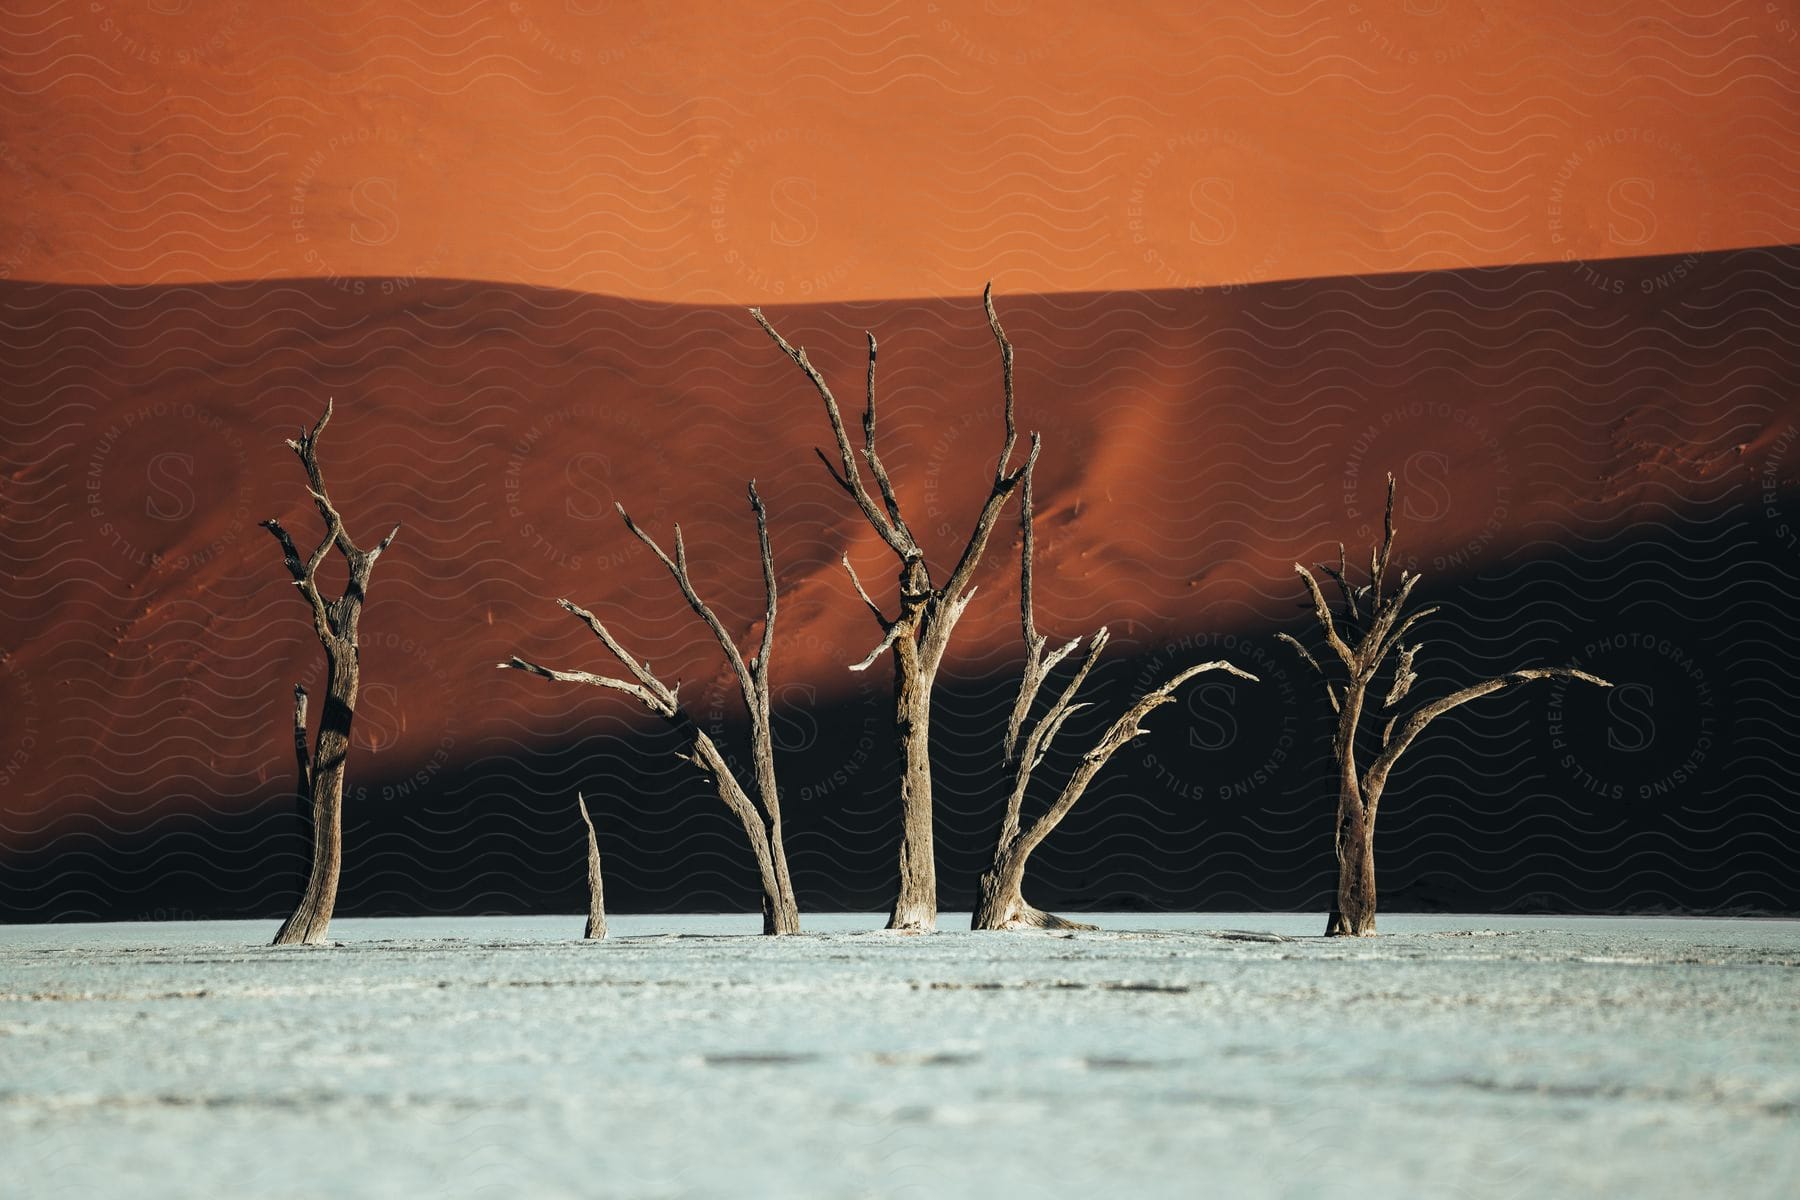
1589	474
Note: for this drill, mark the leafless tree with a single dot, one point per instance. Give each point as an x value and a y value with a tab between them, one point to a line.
760	817
321	785
596	922
919	632
1373	625
1000	903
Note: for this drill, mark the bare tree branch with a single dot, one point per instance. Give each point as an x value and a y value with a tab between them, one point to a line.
984	525
639	670
873	607
1301	650
1400	631
1376	642
1323	612
1340	576
1037	666
1404	678
1127	726
651	700
851	478
1378	567
678	569
760	665
1043	733
1006	372
893	632
1414	725
876	467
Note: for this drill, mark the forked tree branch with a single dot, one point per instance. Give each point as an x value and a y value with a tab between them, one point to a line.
894	534
1128	726
332	620
1413	726
1322	612
1043	733
639	670
678	570
1037	665
1376	642
984	524
651	698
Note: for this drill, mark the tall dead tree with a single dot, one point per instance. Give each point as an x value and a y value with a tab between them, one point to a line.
761	816
1371	626
927	612
1000	903
321	785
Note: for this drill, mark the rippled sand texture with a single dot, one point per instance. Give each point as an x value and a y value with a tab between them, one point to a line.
1177	1057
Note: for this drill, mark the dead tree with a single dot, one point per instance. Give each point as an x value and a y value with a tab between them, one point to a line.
322	769
1372	626
596	922
760	817
919	632
1000	903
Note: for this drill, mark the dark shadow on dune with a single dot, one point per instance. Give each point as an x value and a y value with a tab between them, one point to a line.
1544	800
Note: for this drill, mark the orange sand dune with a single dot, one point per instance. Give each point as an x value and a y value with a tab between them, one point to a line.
1253	257
726	152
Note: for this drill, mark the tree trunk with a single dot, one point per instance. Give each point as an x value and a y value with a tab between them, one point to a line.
915	906
1001	904
311	918
1354	915
596	922
781	914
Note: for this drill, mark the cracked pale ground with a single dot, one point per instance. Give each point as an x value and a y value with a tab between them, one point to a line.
1166	1056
